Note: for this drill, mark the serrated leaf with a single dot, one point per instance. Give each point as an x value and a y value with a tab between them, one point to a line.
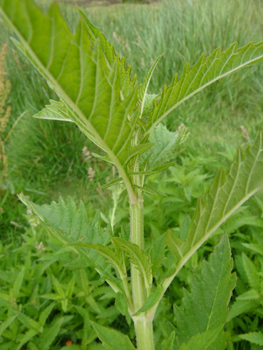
100	97
112	339
236	222
253	337
256	248
69	224
205	307
54	111
202	74
202	341
138	258
226	194
111	256
111	56
241	306
157	253
251	273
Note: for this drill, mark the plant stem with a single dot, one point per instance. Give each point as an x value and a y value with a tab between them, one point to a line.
143	325
137	237
144	333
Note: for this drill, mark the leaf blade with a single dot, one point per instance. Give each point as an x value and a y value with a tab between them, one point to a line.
205	308
205	72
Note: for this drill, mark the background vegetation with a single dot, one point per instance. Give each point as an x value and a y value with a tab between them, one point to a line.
48	159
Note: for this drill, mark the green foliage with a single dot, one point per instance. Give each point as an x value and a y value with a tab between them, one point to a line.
42	303
204	340
161	155
98	94
111	339
255	338
205	307
203	73
226	194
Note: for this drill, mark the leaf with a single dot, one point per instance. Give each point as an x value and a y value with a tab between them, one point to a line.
18	282
110	55
241	306
256	248
104	251
142	90
28	335
138	258
111	339
5	324
253	337
121	303
45	313
150	301
205	72
69	224
204	340
168	343
30	323
238	221
249	295
205	307
251	273
55	111
58	287
157	252
162	151
150	190
50	333
100	97
226	194
111	183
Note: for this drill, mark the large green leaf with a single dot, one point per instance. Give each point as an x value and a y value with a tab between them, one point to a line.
95	88
226	194
202	341
70	224
111	339
205	307
203	73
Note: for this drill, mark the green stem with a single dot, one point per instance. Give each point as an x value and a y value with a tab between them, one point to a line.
143	324
144	333
137	237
